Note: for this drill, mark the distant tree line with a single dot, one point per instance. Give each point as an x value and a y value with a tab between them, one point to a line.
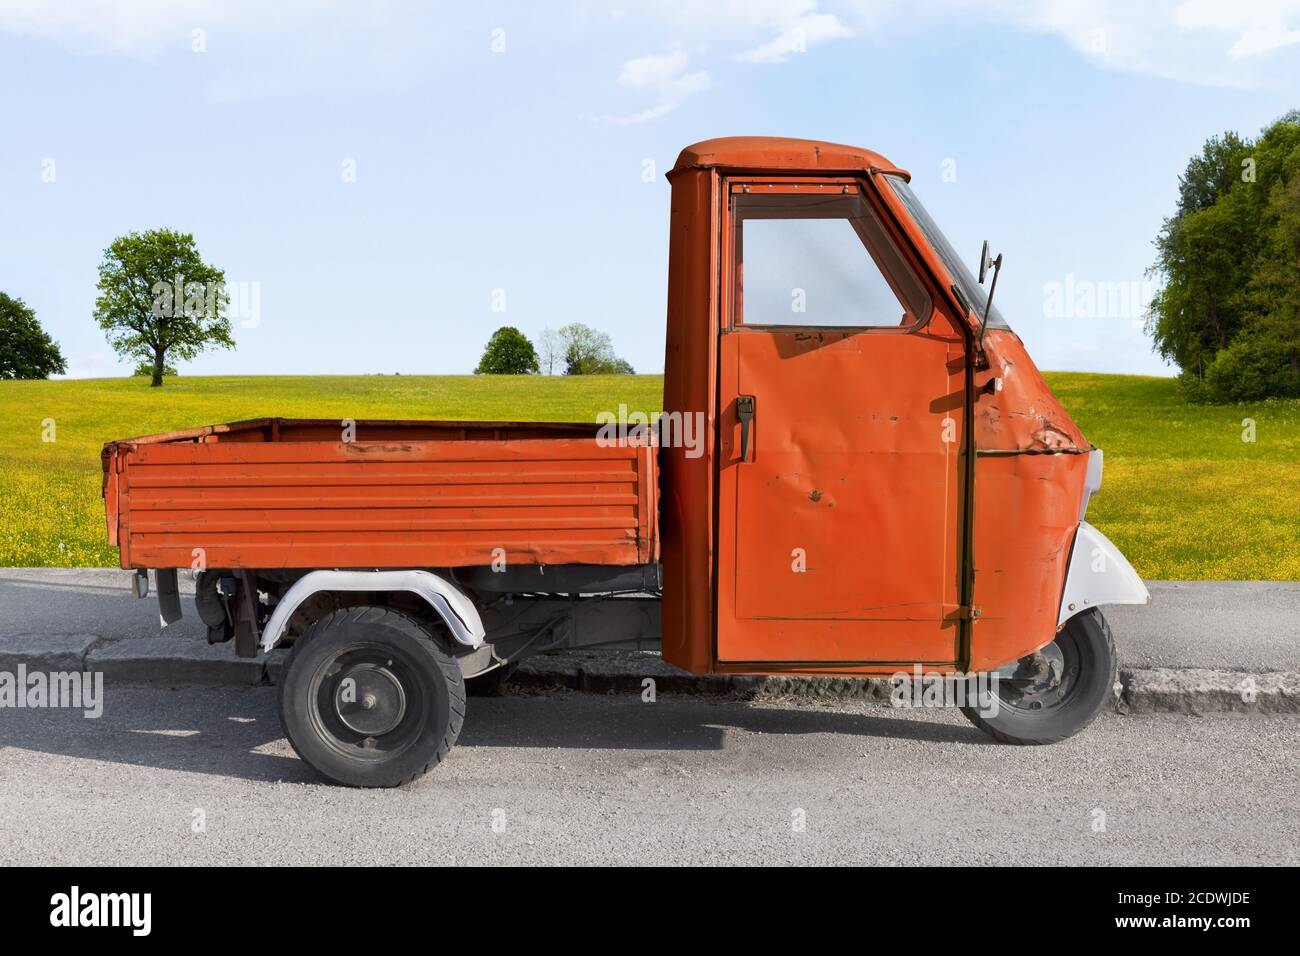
1228	310
574	349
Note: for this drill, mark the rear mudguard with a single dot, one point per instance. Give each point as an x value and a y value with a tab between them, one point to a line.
450	603
1098	574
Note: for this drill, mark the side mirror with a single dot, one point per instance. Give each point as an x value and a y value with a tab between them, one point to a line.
987	262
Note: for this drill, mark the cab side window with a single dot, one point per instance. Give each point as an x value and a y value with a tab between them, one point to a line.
820	261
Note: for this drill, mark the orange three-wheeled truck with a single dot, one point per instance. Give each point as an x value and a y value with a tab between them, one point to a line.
858	471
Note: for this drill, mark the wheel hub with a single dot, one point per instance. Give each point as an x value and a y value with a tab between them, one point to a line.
369	699
1036	680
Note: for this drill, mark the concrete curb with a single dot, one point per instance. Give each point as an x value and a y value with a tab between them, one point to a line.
1200	691
160	662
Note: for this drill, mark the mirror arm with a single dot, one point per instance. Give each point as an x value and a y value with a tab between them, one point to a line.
988	303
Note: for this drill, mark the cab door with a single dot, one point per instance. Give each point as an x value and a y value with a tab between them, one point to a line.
841	396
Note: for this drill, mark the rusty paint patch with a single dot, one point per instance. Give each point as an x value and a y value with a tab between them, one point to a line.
367	448
1049	436
814	495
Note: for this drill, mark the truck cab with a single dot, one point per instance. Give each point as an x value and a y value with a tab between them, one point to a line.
891	480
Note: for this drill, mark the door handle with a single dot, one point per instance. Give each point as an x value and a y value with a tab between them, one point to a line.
745	412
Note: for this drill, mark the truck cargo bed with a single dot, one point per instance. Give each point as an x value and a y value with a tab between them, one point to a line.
291	493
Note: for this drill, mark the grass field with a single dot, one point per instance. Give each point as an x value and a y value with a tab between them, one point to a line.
1184	497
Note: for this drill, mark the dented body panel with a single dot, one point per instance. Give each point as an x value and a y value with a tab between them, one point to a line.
1026	513
1016	411
1030	465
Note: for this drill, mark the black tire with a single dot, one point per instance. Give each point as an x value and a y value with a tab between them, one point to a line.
397	719
492	683
1026	714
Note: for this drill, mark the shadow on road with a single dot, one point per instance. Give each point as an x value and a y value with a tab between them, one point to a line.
198	730
676	723
236	732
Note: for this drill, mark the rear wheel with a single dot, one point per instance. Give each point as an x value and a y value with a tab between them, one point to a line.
1058	690
370	699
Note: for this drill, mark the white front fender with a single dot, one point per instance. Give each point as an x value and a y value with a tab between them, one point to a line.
1098	574
451	603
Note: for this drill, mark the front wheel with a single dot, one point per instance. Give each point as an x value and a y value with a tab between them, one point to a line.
370	699
1058	690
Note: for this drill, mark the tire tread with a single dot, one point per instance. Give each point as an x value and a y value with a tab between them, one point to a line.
984	724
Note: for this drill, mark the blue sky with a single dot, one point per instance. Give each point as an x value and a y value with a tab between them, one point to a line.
521	147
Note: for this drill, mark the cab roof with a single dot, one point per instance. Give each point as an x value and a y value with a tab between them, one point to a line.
780	154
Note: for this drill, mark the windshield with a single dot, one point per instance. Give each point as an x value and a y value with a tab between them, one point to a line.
975	294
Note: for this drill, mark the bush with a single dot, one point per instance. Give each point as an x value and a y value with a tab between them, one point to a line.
1192	388
145	370
1251	368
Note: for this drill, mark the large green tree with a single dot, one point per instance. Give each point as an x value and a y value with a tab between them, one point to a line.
26	351
159	300
1228	309
508	352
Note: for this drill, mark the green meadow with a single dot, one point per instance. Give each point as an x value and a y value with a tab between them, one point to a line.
1184	496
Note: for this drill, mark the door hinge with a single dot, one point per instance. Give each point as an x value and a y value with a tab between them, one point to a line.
967	612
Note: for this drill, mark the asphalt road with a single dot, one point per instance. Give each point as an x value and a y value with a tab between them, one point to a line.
576	778
1230	625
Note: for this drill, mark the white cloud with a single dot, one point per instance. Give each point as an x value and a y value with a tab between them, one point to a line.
1256	42
1214	42
653	71
663	74
257	49
766	31
1209	42
763	31
1260	26
1233	43
797	38
145	28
